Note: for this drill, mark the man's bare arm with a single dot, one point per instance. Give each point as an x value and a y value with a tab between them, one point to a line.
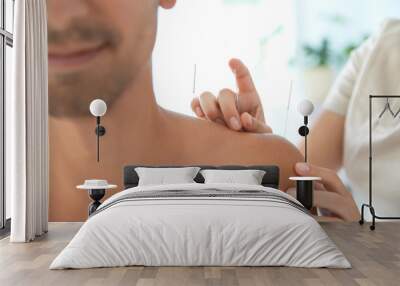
263	149
283	154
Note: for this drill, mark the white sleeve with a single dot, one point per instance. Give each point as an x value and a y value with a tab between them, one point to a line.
341	92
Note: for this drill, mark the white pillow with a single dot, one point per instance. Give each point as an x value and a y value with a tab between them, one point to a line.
247	177
166	176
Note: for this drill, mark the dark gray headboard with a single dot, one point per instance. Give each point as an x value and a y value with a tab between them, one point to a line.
271	178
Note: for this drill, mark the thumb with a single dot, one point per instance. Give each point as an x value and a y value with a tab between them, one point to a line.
252	124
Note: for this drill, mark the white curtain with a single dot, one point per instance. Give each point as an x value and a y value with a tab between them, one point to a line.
27	124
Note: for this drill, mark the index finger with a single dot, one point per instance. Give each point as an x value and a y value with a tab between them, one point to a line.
244	80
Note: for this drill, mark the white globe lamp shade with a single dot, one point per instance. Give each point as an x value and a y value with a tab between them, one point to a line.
98	108
305	108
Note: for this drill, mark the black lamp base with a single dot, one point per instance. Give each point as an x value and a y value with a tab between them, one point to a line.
305	190
96	196
304	193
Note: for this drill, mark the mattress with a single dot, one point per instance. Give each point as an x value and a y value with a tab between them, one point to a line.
201	225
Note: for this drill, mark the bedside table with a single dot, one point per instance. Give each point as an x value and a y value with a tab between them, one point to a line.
96	189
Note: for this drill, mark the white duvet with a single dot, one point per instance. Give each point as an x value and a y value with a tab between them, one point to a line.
200	232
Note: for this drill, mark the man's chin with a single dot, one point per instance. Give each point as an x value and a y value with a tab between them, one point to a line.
70	94
64	107
74	102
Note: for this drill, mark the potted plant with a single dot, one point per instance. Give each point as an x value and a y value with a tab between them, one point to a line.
318	74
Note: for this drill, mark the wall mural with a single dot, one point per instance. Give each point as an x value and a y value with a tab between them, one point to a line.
103	50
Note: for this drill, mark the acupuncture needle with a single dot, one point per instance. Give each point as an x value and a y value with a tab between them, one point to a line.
288	106
194	79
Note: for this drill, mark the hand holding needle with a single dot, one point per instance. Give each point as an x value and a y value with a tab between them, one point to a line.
241	110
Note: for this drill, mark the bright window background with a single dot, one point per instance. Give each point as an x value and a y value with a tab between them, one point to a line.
7	70
267	35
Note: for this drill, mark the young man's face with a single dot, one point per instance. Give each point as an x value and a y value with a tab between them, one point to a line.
96	47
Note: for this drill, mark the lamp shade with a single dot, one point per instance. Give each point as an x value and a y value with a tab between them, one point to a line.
305	108
98	108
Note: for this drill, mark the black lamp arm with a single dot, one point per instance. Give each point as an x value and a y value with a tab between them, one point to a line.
100	131
304	131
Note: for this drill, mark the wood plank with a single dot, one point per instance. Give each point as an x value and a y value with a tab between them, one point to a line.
375	257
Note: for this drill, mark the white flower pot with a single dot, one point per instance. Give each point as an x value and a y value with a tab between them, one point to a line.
317	83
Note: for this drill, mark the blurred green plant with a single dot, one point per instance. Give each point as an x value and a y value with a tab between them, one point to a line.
319	55
323	54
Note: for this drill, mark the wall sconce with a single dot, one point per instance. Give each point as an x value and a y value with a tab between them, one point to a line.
98	109
305	108
305	185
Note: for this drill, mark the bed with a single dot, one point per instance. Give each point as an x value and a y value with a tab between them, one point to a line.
201	224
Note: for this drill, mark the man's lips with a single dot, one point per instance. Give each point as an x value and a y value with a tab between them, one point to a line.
74	58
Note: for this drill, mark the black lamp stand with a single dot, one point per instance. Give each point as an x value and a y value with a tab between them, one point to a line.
96	195
305	188
304	131
100	131
370	203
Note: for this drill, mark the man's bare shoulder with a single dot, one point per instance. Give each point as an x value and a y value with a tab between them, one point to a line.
210	143
249	148
225	144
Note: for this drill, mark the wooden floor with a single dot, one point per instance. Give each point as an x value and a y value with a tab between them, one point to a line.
375	257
